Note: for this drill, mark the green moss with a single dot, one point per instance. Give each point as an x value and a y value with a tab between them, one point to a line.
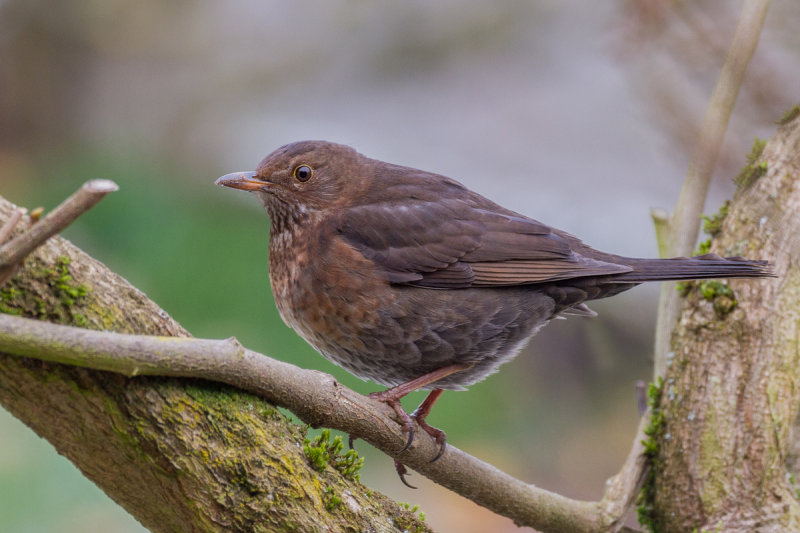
713	224
332	500
754	168
654	432
411	509
65	288
322	451
713	288
62	304
268	412
789	115
684	288
717	292
349	465
8	294
721	296
704	247
317	451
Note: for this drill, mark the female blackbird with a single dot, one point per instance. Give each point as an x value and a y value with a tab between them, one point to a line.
411	280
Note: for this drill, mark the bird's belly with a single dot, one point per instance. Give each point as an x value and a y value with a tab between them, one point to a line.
393	334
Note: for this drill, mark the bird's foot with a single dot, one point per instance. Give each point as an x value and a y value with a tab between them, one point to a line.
405	420
402	471
418	416
392	396
438	435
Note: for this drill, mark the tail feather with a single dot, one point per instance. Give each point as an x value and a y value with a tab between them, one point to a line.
700	267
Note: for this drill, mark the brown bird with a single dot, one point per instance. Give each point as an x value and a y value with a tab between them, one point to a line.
411	280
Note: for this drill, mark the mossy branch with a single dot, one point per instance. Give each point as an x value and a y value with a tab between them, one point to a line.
317	399
178	454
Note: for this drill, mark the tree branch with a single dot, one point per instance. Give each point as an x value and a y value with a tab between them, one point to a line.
11	223
59	218
317	399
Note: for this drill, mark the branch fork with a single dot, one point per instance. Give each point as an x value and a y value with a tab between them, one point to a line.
13	252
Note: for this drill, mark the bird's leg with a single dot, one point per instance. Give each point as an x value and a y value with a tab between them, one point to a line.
392	396
421	412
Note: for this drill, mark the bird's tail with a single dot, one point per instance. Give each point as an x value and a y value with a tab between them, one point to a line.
699	267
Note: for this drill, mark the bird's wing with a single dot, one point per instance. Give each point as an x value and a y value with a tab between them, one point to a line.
451	244
412	240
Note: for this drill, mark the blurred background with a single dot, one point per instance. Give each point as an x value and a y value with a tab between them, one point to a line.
580	114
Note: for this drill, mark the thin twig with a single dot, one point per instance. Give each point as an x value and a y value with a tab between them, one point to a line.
661	224
14	251
5	231
622	489
317	399
11	223
685	221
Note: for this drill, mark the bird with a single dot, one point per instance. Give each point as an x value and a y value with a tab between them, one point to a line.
411	280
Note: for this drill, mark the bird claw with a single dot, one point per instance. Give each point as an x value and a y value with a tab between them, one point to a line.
408	427
442	446
438	435
407	421
402	471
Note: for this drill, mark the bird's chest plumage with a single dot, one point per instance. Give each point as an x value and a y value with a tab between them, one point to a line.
325	290
288	273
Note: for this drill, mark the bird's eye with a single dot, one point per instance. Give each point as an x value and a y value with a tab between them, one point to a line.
303	173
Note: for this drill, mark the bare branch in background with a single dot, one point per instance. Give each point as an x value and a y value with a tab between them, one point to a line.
685	220
671	50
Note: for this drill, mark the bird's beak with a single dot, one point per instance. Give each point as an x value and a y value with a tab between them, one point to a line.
245	181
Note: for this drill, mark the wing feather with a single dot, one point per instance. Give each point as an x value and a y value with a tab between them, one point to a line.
452	243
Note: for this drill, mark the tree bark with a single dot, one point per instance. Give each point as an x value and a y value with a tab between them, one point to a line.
179	455
730	395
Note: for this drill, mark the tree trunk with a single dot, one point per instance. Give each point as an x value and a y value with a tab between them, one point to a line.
731	392
179	455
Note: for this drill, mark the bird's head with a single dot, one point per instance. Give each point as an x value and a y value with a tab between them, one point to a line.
302	177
